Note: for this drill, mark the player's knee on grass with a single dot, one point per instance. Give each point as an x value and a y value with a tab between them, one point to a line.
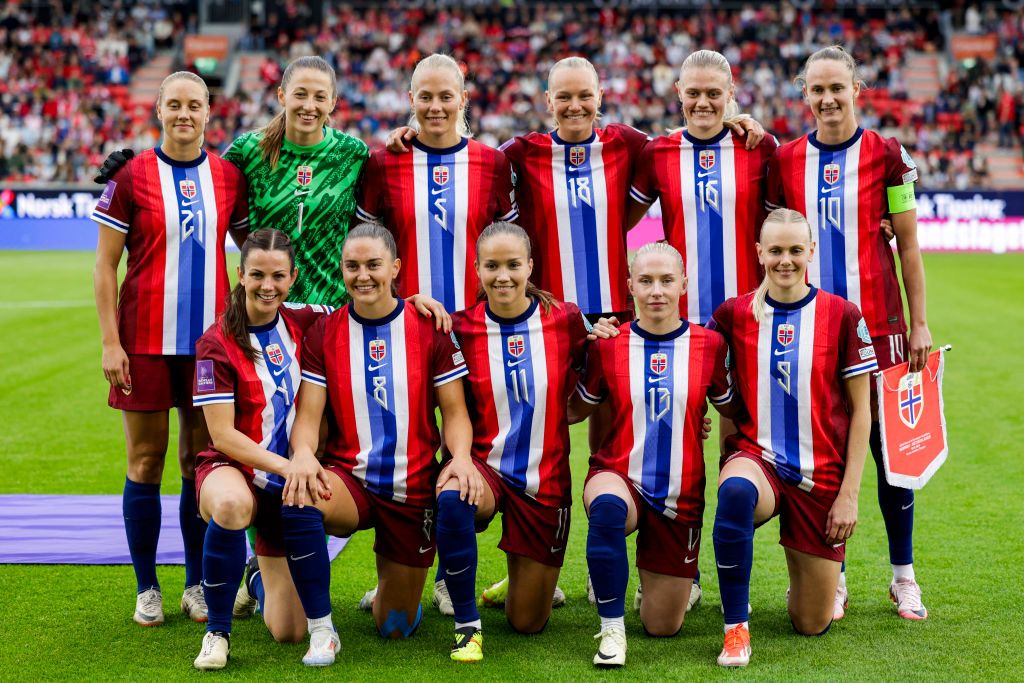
811	625
662	628
397	625
528	622
283	632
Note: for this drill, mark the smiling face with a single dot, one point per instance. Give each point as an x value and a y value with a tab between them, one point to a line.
503	265
437	101
369	271
703	94
830	92
266	276
785	250
656	282
574	98
308	100
183	112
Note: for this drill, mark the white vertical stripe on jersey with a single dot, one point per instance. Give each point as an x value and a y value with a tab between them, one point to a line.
851	224
421	193
360	411
728	191
567	258
680	397
460	176
496	365
599	197
538	359
400	373
172	241
803	397
638	396
211	248
690	250
765	330
811	180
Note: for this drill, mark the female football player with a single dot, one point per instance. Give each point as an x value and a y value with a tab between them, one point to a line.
379	371
845	179
648	474
171	208
801	359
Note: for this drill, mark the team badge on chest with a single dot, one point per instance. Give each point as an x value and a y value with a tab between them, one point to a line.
911	399
378	350
831	173
785	334
304	174
440	175
275	354
187	188
577	155
516	345
706	159
659	363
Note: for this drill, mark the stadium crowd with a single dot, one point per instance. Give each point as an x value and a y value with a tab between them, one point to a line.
63	89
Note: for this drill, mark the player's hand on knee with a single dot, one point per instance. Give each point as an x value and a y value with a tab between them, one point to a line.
115	367
301	480
465	473
398	137
842	519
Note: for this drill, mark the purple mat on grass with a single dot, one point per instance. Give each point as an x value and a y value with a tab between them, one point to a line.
84	530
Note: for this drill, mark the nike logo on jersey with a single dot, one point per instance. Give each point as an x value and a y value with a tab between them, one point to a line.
278	373
829	189
653	380
449	572
704	174
782	353
301	557
299	193
689	560
375	368
434	192
426	550
184	203
556	550
512	364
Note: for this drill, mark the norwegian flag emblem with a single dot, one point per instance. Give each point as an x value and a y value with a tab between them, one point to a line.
659	363
785	334
831	173
911	399
378	349
304	174
440	175
577	155
187	188
707	159
516	345
275	354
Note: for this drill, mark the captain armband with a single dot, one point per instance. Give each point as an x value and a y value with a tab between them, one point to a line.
901	198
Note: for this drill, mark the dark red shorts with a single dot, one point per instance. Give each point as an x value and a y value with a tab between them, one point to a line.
405	533
663	545
528	528
158	383
803	515
267	521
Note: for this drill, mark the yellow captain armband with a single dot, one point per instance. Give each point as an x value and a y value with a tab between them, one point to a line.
901	198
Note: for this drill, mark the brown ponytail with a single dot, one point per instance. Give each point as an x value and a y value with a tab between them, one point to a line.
273	133
546	299
234	322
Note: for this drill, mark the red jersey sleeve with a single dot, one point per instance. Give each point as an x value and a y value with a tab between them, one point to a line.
215	377
644	187
305	316
593	387
313	353
856	353
506	208
515	151
579	329
370	194
240	214
721	390
721	319
447	362
635	141
116	207
774	192
900	169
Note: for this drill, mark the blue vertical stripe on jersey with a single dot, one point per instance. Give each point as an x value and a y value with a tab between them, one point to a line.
708	183
380	469
515	457
283	397
191	258
441	208
785	417
831	238
658	437
579	189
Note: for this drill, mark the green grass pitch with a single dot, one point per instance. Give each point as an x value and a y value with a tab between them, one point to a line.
62	622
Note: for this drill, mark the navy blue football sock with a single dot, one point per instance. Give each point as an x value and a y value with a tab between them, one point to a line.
606	554
734	545
308	561
223	567
897	506
456	544
141	509
255	586
193	532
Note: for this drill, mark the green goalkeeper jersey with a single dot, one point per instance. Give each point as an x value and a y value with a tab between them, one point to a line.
311	196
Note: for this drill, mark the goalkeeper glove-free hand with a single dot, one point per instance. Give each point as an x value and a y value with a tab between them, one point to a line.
112	164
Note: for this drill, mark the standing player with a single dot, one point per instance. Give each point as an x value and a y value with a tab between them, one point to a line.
247	373
381	371
648	474
437	198
801	358
171	208
845	179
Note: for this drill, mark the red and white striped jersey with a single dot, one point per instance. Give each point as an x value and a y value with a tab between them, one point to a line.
658	386
789	371
521	373
712	207
176	216
841	189
437	202
573	201
380	377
